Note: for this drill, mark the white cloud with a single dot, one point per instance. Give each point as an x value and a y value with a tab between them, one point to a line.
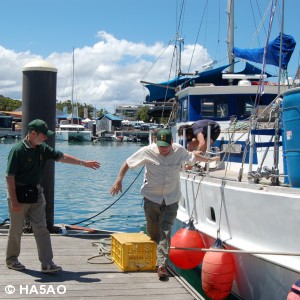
107	74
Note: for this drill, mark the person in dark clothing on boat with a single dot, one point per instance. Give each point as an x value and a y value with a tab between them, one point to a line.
25	166
196	134
161	189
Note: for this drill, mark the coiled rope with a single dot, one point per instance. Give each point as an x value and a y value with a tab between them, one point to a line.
104	247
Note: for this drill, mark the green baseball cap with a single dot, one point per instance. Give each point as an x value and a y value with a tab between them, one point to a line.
164	138
40	126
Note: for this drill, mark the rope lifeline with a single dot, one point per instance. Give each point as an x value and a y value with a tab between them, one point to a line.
237	251
112	203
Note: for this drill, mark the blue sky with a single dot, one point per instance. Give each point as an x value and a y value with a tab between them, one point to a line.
117	42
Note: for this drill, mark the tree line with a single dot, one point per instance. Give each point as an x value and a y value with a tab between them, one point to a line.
8	104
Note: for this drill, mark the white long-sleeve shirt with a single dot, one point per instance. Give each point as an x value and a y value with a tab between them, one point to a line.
161	181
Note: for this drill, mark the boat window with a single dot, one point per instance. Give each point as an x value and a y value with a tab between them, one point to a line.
245	106
222	110
214	108
207	108
184	110
178	113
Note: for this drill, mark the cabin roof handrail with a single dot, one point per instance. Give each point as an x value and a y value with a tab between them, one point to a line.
244	76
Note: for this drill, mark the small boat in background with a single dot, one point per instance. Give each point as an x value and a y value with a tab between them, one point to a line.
70	130
73	132
131	138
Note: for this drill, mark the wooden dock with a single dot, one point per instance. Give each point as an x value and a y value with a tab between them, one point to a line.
85	275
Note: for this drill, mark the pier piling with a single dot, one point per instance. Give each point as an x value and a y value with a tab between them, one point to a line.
39	102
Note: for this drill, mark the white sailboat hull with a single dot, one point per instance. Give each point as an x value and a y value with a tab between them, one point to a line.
246	215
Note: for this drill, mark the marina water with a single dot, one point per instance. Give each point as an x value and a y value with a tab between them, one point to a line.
82	193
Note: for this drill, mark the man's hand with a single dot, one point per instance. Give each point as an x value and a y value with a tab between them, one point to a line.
215	158
91	164
116	188
15	206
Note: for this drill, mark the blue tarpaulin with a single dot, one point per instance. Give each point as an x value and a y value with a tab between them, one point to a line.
272	52
165	90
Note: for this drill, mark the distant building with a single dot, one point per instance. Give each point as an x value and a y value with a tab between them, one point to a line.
5	121
108	123
127	111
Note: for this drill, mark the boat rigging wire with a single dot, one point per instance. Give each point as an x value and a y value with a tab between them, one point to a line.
195	198
99	213
179	20
156	61
274	4
261	24
198	33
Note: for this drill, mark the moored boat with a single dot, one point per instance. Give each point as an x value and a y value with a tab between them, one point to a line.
250	199
247	200
73	132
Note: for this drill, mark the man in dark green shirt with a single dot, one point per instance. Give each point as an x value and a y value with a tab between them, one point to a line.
26	163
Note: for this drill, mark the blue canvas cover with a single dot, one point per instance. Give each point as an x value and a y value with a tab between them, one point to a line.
166	90
272	53
250	69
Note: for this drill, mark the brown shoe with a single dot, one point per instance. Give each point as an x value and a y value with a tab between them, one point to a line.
162	272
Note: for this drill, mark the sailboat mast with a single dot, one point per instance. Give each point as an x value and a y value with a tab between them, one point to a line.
280	52
72	92
230	38
180	41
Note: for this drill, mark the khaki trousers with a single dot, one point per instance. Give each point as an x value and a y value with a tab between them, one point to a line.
37	215
160	219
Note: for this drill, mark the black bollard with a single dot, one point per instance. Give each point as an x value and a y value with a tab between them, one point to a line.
94	132
39	102
13	126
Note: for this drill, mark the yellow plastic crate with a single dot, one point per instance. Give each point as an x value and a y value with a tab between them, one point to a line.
133	251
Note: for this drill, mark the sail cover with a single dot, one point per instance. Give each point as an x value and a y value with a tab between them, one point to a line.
272	53
160	93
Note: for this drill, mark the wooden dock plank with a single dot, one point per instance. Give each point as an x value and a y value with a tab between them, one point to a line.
99	279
